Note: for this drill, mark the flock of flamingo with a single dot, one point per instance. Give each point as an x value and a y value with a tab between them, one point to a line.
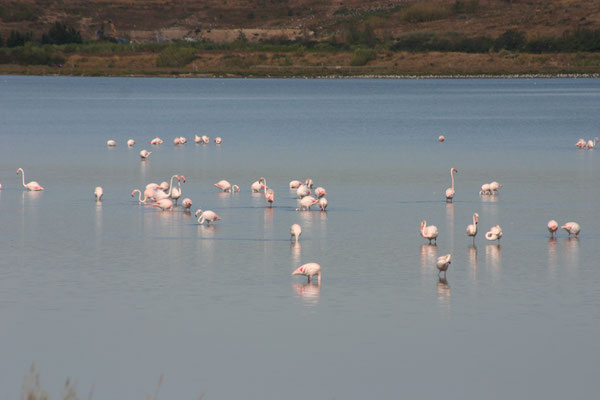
163	195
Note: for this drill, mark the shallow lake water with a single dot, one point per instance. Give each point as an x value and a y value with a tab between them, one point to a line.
114	295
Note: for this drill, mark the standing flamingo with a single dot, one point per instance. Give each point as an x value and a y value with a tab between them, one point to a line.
485	189
176	192
309	183
197	139
177	141
295	231
218	140
306	203
309	270
295	184
302	191
494	187
495	233
159	194
552	227
150	190
164	204
140	195
205	139
208	216
442	263
33	185
98	192
111	143
144	154
258	185
130	142
320	192
429	232
441	138
323	203
581	143
472	229
156	141
187	204
182	140
226	186
269	196
592	143
450	190
572	228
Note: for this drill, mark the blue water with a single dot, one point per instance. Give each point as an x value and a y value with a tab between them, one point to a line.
114	295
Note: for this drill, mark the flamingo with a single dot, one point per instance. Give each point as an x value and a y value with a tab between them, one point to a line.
164	204
472	229
485	189
176	192
208	216
187	204
429	232
33	185
441	138
450	190
144	154
572	228
156	141
494	187
111	143
269	196
140	195
309	183
591	144
177	141
581	143
495	233
552	227
295	184
443	263
302	191
309	270
151	188
226	186
98	192
182	140
164	186
159	194
320	192
257	186
218	140
295	231
130	142
205	139
306	203
197	139
323	203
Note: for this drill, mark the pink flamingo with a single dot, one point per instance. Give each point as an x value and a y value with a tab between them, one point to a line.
156	141
258	185
442	263
581	143
226	186
295	231
187	204
320	192
98	193
295	184
197	139
111	143
205	139
306	203
429	232
130	142
269	196
164	204
323	203
495	233
144	154
140	195
302	191
309	270
218	140
208	216
159	194
450	190
33	185
472	229
441	138
572	228
552	227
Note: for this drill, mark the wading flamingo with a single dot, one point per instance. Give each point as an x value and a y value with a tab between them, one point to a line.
442	263
572	228
176	192
269	196
441	138
205	139
159	194
306	203
320	192
309	270
111	143
33	185
208	216
494	187
140	195
472	229
295	232
323	203
302	191
581	143
187	204
450	190
257	186
182	140
156	141
485	189
495	233
226	186
309	183
552	227
218	140
98	192
130	142
177	141
151	188
197	139
164	204
295	184
429	232
144	154
592	143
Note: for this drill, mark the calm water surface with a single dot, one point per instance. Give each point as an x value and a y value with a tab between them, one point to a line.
115	294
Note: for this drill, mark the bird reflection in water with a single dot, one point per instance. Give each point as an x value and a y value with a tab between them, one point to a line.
428	256
443	290
552	254
98	221
296	249
309	292
492	256
571	251
472	260
489	198
450	223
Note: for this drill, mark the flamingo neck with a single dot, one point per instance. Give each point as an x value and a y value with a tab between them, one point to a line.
23	176
452	177
171	185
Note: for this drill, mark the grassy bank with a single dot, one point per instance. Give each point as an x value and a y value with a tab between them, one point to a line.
302	63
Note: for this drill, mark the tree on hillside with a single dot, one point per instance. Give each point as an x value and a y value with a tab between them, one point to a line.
510	40
17	38
61	34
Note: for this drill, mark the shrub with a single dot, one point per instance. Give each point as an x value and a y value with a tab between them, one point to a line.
175	56
362	57
510	40
425	12
16	12
61	34
465	6
34	55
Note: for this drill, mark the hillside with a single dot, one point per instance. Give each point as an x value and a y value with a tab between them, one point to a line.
222	20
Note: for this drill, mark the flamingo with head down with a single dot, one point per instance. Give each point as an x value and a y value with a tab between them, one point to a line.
140	196
295	184
443	263
323	203
572	228
226	186
98	193
295	232
591	143
218	140
310	270
552	227
306	203
207	216
495	233
144	154
33	185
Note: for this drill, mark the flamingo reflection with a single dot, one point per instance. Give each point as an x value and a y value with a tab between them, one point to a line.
443	290
296	250
309	292
428	256
492	256
472	260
